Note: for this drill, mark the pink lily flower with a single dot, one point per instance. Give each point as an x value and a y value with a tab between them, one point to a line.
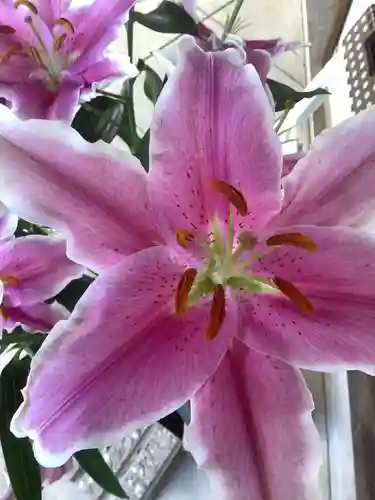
261	53
51	53
33	269
215	283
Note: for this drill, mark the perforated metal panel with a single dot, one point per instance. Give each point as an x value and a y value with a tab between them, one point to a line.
359	46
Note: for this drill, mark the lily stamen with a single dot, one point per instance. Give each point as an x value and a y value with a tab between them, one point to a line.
3	312
217	313
294	294
26	3
65	23
294	239
234	196
5	29
183	289
57	43
185	237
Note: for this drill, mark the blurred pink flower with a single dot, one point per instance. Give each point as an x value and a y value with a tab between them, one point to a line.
51	53
33	269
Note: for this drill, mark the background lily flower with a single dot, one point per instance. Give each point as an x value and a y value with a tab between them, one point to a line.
214	280
259	52
51	53
33	269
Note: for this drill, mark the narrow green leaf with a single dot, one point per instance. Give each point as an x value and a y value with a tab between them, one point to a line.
94	464
285	96
23	469
128	128
142	150
101	118
168	17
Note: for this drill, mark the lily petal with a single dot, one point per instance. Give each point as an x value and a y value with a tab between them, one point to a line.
39	266
51	10
93	193
31	99
290	161
109	68
8	222
244	419
122	329
96	26
221	111
334	183
343	262
338	280
262	62
39	317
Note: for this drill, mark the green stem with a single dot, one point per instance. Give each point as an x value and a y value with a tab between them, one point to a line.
282	119
229	25
111	95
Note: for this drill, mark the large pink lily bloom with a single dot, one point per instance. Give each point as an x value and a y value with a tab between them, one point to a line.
32	270
51	53
214	281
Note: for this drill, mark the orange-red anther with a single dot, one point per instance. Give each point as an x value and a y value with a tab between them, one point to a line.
294	294
65	23
294	239
27	4
217	313
184	237
183	289
235	197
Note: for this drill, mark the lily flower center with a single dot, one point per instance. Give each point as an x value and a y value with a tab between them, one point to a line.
229	258
47	52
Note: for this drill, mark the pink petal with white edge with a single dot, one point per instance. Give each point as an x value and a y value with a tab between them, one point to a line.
8	222
213	121
109	68
39	317
252	430
93	193
39	265
124	336
338	279
96	26
335	182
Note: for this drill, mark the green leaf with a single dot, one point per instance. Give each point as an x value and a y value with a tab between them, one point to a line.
94	464
23	469
285	96
128	129
168	17
101	118
142	150
31	342
153	83
71	294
